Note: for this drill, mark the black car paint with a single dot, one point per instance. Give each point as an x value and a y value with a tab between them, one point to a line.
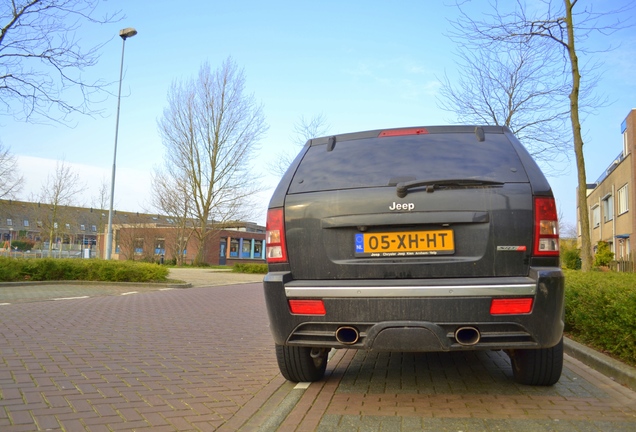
323	222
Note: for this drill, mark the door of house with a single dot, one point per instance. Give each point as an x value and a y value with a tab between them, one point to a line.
222	259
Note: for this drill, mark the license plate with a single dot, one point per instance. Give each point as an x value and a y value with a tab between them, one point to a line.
405	243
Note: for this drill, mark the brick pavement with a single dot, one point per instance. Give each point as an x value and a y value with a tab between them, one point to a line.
456	392
173	360
202	359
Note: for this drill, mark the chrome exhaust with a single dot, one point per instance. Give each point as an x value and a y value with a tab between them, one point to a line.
347	335
467	336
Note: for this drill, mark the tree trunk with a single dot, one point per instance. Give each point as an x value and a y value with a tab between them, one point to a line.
584	219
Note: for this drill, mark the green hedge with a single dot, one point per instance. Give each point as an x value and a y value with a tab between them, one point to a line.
49	269
600	311
250	268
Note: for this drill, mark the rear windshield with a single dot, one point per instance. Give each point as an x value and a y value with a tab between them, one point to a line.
375	162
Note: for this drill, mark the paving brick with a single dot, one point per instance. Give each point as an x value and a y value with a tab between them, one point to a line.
165	361
46	422
21	417
122	362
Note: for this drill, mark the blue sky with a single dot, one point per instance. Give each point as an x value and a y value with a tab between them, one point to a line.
362	64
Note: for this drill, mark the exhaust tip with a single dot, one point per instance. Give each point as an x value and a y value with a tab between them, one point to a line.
347	335
467	336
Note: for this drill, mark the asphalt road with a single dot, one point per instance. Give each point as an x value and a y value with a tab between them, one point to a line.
156	358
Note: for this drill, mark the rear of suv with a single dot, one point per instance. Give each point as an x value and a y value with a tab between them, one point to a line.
420	239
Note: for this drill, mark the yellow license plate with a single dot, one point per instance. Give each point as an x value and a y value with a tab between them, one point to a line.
405	243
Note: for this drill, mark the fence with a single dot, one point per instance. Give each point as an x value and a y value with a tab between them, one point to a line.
44	253
623	265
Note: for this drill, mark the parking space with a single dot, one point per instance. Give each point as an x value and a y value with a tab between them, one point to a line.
174	360
202	359
457	392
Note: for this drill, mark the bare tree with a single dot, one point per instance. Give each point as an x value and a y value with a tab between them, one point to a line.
555	22
519	86
303	130
11	180
209	130
100	201
41	60
170	196
59	191
135	239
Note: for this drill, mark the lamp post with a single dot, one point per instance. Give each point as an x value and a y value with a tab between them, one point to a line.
124	34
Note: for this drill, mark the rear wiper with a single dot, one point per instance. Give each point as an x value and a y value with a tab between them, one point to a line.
431	185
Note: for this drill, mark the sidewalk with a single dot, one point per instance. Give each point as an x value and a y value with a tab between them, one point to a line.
196	276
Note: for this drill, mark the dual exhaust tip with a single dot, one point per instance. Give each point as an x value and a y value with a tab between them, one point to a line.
467	336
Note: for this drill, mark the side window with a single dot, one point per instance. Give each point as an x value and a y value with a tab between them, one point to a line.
623	200
608	208
596	216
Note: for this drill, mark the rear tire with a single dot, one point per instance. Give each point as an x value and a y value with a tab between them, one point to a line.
301	364
537	367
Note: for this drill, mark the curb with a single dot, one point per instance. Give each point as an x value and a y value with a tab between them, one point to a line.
614	369
175	284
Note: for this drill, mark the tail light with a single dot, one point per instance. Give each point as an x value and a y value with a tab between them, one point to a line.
275	236
546	227
402	132
307	307
514	306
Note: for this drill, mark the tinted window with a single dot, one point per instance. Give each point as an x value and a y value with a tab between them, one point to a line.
374	162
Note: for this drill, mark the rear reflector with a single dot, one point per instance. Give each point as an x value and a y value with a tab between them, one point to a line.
546	227
307	307
275	236
402	132
511	306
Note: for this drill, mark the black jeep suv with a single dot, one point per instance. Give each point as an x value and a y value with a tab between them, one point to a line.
439	238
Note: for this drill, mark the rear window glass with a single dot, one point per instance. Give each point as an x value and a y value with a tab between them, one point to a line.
375	162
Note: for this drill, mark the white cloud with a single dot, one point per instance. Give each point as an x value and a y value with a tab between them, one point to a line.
132	187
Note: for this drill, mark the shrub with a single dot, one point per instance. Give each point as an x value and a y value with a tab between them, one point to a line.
604	254
23	245
599	311
50	269
571	259
250	268
570	254
10	270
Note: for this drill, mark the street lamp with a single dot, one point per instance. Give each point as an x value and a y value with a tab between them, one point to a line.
124	34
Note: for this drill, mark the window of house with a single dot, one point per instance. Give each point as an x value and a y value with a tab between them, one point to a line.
68	226
94	228
160	246
139	245
246	251
608	208
54	225
9	222
234	248
25	223
623	201
596	216
83	227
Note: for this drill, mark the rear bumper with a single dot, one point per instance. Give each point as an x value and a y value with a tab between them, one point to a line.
418	315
